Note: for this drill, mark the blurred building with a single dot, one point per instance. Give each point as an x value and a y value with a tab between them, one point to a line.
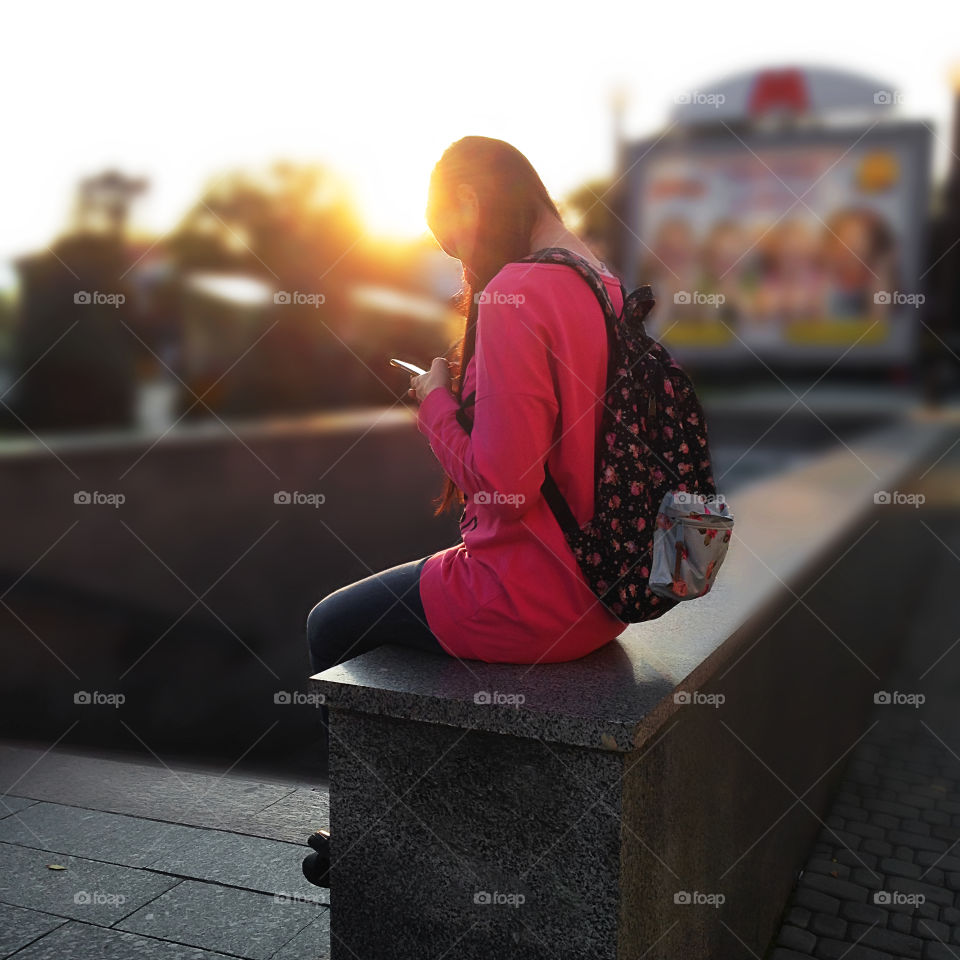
112	331
940	339
74	364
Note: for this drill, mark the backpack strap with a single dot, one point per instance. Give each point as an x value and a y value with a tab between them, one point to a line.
557	503
462	418
551	492
586	270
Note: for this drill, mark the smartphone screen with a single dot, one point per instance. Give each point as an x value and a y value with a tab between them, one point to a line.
409	367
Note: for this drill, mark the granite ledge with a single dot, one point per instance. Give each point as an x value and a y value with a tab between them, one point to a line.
618	697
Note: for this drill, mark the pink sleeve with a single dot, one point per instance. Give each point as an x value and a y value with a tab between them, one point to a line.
516	404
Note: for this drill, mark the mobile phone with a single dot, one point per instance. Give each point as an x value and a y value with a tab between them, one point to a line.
411	368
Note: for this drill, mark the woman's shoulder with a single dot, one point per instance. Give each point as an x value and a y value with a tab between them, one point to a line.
551	301
541	278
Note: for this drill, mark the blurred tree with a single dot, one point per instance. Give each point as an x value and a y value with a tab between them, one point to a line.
590	209
294	227
290	221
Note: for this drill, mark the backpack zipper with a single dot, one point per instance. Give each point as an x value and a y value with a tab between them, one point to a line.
708	521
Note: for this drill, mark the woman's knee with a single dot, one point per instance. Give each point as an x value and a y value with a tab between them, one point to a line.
325	630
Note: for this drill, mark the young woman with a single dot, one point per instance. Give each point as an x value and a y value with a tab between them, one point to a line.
531	379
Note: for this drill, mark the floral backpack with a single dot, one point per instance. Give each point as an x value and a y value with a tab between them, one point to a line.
659	532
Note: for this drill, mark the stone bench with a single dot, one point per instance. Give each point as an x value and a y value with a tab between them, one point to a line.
656	798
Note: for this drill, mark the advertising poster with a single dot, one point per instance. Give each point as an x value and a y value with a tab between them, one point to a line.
806	248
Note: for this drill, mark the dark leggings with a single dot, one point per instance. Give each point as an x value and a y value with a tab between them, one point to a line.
382	608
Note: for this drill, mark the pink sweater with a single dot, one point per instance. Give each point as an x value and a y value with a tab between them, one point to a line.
512	591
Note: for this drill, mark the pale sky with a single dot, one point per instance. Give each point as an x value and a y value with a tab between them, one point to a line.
180	91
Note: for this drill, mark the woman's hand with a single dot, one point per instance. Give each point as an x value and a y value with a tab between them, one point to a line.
437	376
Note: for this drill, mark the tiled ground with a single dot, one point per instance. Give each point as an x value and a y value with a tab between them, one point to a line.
883	879
157	863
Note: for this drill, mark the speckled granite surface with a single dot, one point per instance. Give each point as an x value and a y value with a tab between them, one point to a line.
619	696
456	843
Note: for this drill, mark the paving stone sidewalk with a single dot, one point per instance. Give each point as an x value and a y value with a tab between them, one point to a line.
883	879
157	863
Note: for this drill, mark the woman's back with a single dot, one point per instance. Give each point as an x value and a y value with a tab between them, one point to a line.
512	590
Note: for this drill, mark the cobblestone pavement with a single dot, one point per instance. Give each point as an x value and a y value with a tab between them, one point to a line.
883	878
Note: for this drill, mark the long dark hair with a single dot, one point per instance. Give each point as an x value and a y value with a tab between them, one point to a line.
510	198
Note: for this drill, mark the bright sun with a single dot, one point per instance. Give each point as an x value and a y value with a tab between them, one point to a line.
391	192
391	212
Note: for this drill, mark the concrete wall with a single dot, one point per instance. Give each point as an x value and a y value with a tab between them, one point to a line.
713	806
109	587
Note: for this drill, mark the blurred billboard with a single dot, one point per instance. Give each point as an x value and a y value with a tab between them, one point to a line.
796	242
